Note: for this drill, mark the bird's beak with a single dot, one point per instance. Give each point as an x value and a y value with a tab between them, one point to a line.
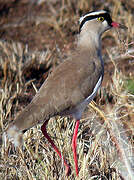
117	25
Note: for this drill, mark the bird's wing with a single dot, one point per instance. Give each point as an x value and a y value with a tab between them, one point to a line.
70	83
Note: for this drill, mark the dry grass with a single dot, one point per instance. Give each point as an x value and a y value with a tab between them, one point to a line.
105	138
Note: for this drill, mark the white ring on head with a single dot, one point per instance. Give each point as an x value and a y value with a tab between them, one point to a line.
91	14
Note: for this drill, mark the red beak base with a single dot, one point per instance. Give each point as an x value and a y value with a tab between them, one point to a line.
117	25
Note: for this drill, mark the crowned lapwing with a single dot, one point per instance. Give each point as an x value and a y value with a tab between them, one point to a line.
71	86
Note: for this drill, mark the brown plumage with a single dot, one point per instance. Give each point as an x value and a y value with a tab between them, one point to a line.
70	83
71	86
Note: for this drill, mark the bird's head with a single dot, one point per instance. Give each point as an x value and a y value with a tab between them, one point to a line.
98	22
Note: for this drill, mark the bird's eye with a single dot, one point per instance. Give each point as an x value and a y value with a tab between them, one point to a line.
100	19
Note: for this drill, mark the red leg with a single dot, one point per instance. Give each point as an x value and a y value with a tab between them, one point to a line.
43	129
74	145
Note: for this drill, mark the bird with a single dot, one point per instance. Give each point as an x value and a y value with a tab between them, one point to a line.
70	87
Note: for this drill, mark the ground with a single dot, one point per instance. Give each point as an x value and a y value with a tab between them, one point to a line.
35	37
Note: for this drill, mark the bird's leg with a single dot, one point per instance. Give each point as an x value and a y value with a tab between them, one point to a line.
74	145
44	131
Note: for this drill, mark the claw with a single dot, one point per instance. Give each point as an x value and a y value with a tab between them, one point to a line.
67	170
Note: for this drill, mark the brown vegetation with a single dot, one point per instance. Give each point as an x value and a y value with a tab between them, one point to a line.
34	39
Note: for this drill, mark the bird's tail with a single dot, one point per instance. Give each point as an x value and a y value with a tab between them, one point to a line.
14	135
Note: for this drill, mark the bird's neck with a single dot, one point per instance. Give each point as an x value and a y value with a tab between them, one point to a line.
91	42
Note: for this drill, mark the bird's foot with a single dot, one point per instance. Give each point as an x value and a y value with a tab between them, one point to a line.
67	170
